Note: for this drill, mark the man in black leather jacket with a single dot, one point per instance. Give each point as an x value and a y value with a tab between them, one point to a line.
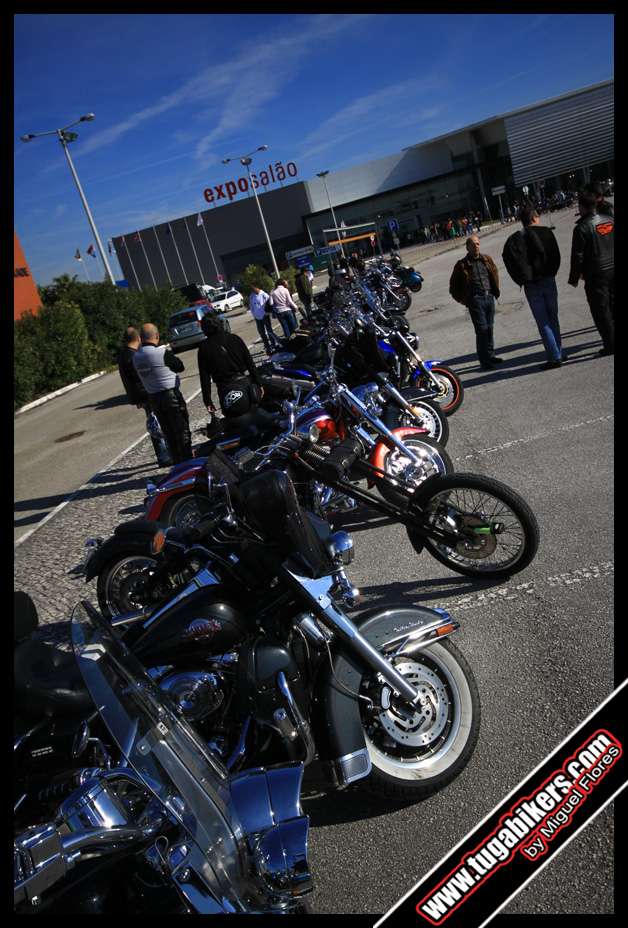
593	259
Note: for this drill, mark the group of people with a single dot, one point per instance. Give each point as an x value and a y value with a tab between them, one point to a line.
532	259
279	305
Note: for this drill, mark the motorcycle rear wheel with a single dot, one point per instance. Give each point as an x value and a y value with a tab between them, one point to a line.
436	462
414	757
121	583
475	500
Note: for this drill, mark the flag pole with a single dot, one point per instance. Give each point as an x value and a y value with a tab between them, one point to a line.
198	264
128	253
174	242
150	270
210	249
162	255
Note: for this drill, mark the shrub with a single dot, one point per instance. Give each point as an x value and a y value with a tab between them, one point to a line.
257	276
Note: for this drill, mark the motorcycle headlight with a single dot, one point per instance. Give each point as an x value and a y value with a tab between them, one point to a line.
314	433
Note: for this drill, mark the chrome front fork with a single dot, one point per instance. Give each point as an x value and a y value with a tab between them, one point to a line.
319	593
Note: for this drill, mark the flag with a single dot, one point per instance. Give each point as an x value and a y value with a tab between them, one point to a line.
124	243
78	255
199	220
91	251
110	247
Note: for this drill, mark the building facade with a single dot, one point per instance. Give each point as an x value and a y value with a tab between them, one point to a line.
25	294
555	144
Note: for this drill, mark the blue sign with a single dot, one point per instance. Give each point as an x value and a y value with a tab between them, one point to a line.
122	283
328	250
303	261
393	225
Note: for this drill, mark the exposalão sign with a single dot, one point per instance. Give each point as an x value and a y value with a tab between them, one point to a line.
276	173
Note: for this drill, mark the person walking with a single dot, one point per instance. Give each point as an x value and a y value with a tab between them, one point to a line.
602	205
224	359
593	259
475	283
158	367
304	289
284	307
260	308
532	259
137	395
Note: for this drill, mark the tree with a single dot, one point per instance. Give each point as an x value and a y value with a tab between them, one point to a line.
257	276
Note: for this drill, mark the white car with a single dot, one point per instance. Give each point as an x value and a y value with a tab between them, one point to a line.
227	299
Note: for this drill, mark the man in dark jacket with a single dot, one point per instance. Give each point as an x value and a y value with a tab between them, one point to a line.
224	359
158	367
593	258
475	283
602	205
532	259
304	290
138	396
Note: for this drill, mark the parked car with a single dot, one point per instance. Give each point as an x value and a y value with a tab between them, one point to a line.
184	328
227	299
195	292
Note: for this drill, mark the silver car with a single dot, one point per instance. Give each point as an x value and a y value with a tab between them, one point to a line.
185	325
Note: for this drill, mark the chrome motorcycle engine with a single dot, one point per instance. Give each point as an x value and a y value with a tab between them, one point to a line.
197	693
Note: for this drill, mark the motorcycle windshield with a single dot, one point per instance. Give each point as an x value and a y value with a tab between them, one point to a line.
172	761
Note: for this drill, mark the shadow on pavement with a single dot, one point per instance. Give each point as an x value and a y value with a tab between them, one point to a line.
46	503
109	403
417	591
522	366
356	805
516	346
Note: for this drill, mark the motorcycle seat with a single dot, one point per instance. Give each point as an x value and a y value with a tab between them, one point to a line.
137	527
47	680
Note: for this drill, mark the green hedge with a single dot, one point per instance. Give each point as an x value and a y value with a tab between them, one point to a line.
79	331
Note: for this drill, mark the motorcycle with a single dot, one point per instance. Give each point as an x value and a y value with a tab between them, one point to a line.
258	652
409	276
111	776
472	524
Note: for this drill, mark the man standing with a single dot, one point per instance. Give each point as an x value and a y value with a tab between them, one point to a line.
158	366
532	259
138	396
593	258
602	205
258	301
304	290
475	283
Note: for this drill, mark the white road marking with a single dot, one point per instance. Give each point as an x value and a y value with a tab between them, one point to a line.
509	592
65	502
524	441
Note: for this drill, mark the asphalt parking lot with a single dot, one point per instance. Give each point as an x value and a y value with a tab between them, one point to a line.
540	645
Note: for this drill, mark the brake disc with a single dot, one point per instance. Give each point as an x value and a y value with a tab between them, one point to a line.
421	726
481	545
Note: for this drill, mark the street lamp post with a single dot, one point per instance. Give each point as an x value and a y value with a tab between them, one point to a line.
64	137
323	175
246	160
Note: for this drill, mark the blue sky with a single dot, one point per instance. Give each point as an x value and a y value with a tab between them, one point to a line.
174	94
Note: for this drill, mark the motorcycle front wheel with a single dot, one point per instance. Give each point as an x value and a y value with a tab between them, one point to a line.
400	469
428	416
499	533
451	391
415	753
403	300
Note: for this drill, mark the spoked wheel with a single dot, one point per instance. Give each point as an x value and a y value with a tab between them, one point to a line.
499	534
428	416
451	391
123	584
185	511
416	751
401	470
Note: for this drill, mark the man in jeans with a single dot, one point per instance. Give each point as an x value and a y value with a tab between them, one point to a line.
257	305
532	259
475	283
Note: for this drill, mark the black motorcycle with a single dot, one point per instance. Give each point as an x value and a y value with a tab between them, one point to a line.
259	653
122	808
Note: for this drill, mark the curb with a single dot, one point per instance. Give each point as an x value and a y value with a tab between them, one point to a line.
51	396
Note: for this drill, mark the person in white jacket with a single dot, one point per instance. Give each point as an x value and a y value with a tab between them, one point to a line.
284	307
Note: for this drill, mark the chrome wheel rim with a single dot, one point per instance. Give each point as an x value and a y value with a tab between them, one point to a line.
471	508
435	744
125	588
427	420
399	467
446	391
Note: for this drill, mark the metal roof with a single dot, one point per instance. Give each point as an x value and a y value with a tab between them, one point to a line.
521	109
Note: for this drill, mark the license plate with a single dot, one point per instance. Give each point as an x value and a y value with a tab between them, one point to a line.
189	329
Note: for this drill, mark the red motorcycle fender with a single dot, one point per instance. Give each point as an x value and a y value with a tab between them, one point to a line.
379	451
176	486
